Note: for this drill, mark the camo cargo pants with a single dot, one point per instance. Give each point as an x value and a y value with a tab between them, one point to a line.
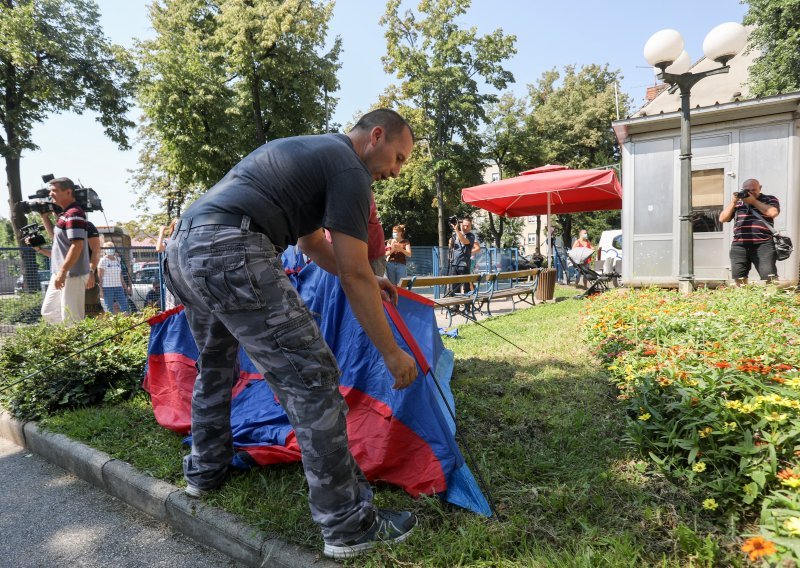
236	292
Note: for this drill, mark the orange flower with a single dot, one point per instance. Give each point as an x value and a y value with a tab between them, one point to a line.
787	473
758	546
722	364
649	352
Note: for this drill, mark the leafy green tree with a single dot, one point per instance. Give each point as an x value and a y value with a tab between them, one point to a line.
777	36
509	146
222	77
571	121
54	57
440	65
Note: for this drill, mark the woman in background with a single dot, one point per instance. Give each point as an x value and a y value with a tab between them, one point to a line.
398	250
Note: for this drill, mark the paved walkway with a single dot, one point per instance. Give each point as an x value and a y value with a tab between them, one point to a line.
51	518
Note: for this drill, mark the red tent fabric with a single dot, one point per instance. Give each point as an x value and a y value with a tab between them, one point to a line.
548	189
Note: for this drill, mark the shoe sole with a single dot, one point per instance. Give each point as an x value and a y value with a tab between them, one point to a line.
345	552
194	492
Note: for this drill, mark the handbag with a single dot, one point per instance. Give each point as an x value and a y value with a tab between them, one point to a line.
783	244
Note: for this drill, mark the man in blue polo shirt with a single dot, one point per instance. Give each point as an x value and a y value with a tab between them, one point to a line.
65	298
223	264
752	238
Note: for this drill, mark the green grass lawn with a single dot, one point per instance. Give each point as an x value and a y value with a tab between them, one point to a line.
549	438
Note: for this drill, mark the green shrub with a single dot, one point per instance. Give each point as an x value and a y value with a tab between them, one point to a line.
108	372
711	386
21	308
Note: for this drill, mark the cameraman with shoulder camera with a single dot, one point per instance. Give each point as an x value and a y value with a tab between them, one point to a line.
462	246
752	238
69	259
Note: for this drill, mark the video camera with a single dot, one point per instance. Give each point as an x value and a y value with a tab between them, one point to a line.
32	235
744	194
452	219
40	202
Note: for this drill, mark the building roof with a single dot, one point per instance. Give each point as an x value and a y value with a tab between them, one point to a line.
714	90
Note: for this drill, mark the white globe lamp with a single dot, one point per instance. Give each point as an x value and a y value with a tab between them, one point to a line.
663	48
724	42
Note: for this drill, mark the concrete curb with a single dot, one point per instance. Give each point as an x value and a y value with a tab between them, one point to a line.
165	502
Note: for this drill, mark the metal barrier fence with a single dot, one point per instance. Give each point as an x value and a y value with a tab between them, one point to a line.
433	261
25	276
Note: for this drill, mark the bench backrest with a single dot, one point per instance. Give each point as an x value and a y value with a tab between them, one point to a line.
423	281
527	274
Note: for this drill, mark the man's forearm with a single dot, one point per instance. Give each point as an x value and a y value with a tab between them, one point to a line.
363	294
319	250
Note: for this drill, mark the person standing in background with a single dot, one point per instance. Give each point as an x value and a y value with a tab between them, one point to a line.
399	250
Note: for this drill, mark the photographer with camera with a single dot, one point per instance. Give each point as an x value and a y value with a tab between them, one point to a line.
463	245
69	260
93	307
753	213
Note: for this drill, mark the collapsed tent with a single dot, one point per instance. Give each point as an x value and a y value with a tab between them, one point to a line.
405	437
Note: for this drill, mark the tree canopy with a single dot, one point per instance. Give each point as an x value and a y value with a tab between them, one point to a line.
777	36
54	57
222	77
442	68
571	121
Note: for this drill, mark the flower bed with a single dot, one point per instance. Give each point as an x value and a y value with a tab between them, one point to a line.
711	385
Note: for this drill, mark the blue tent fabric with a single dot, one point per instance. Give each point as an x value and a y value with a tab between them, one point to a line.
390	430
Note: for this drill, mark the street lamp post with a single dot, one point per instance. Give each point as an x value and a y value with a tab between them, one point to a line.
664	50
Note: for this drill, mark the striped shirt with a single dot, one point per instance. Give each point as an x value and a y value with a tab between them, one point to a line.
749	229
70	226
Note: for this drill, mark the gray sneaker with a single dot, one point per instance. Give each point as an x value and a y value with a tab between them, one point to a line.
389	526
195	492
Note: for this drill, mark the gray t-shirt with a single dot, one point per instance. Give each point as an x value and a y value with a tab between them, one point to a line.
291	187
70	226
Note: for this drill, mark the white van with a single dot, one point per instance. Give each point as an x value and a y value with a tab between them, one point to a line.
609	253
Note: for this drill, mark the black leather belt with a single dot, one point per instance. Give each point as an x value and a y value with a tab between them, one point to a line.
243	222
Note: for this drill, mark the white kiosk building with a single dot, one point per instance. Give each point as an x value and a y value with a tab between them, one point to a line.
734	138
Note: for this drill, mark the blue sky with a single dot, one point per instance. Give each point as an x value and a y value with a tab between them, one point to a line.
549	34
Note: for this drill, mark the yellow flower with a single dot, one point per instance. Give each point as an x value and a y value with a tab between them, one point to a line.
794	383
730	426
710	504
699	467
705	431
793	482
775	417
792	526
733	404
645	416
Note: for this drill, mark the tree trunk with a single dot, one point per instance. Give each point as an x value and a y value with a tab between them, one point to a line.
258	119
443	233
28	268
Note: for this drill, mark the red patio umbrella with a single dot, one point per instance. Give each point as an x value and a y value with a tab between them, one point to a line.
546	190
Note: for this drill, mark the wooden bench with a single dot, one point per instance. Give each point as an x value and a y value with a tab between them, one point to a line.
522	288
455	304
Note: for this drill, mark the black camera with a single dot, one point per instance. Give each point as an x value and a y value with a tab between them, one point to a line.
745	193
40	202
32	235
452	219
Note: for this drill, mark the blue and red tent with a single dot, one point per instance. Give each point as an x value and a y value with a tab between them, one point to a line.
404	437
